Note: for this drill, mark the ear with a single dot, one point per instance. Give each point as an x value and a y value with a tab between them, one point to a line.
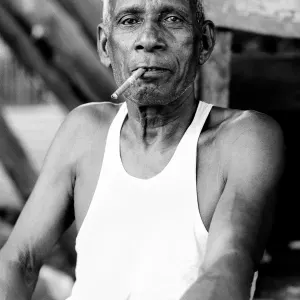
102	46
208	41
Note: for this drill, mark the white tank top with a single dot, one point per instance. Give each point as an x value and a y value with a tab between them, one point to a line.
142	239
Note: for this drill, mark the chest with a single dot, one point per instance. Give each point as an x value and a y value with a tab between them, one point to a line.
208	173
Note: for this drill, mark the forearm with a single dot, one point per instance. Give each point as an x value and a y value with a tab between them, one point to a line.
229	278
13	283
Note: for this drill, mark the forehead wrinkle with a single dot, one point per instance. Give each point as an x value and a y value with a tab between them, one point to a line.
139	8
194	7
134	9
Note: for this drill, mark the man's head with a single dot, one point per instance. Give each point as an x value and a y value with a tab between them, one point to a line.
171	36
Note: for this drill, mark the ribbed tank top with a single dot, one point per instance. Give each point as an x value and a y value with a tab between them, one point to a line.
142	238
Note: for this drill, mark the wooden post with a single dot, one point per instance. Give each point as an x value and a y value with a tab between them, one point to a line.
215	73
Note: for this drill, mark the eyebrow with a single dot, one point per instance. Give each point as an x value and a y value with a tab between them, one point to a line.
170	8
136	9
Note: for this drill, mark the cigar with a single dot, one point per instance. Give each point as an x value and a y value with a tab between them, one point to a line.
135	76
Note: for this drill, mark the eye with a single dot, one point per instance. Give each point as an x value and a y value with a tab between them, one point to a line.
129	21
173	19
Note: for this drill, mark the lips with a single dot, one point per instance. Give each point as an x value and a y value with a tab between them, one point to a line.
152	69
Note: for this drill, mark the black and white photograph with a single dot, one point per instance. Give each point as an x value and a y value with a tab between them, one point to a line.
149	149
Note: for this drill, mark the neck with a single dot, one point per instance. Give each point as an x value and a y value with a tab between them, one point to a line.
160	125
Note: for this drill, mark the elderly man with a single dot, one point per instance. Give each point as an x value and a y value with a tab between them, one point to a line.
172	197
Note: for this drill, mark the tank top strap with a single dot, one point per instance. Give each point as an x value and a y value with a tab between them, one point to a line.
187	148
112	147
200	117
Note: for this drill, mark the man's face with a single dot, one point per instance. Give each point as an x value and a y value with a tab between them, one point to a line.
155	34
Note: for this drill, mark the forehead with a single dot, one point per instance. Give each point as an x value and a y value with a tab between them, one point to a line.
118	5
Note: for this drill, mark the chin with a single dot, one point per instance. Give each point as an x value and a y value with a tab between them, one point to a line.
150	96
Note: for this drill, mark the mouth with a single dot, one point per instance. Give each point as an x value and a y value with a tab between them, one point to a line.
152	69
153	73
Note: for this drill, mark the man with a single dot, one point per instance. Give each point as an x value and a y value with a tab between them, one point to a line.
172	197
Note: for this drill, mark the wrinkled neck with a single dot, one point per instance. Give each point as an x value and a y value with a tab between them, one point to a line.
152	124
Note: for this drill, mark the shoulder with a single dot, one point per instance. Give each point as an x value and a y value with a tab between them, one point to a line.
92	114
252	129
230	122
234	127
249	124
252	144
88	119
80	129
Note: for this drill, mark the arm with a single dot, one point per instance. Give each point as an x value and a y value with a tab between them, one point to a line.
243	217
46	215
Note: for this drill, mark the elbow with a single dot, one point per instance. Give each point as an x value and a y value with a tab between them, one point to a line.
19	273
12	286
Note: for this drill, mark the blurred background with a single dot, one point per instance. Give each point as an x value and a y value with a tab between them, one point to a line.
49	65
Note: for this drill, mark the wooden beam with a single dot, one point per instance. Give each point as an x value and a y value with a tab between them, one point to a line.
57	49
15	161
26	52
271	17
87	13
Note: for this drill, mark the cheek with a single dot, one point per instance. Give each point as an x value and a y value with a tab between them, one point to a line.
117	53
187	52
187	60
121	45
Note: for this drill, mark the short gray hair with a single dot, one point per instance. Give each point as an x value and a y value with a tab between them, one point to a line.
107	11
200	15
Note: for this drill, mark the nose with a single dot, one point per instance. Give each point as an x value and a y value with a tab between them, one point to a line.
150	39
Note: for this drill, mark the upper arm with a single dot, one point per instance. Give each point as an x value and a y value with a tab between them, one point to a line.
243	216
49	209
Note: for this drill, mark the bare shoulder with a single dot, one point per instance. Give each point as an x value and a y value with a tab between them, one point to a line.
97	108
88	120
91	115
232	123
251	140
248	124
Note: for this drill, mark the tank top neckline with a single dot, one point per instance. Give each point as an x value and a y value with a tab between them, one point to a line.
199	118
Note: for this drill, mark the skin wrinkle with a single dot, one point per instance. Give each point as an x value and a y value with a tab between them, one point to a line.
120	79
154	37
161	35
197	6
171	132
169	120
